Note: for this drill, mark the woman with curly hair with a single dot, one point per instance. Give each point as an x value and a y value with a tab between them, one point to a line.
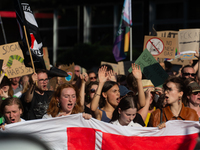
65	101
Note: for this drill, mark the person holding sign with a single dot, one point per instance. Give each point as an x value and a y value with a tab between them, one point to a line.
36	99
173	89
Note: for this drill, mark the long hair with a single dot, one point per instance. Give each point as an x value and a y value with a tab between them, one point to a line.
87	91
5	81
125	103
10	101
53	109
108	85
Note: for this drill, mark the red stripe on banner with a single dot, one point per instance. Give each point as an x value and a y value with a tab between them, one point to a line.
80	138
118	142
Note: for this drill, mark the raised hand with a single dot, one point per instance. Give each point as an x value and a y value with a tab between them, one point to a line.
112	76
102	75
136	71
4	67
84	76
159	90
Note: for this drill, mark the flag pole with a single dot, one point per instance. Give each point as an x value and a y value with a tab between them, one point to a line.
4	35
29	49
131	44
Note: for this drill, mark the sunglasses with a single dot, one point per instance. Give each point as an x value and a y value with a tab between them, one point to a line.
187	74
195	93
93	78
92	90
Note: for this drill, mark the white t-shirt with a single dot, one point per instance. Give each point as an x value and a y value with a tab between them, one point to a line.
131	124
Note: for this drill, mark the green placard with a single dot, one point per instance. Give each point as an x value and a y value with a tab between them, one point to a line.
151	68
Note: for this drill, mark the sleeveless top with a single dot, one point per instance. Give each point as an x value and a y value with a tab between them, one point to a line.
104	117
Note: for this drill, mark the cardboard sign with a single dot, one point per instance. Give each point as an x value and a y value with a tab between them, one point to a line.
115	66
70	71
123	67
188	40
179	61
151	68
167	34
46	58
160	46
14	59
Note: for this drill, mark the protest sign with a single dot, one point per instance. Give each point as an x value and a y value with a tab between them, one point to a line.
115	66
46	58
73	132
188	40
70	71
14	59
179	61
151	68
123	67
160	46
167	34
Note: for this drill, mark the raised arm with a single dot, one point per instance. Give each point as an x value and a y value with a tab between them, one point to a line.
29	94
95	101
84	78
136	71
144	111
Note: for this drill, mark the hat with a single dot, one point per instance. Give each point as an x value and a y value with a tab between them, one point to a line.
124	90
194	86
147	84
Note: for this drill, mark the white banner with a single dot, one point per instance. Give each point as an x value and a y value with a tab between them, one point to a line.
74	132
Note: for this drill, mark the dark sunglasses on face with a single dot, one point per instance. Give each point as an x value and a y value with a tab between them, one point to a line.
93	78
195	93
187	74
92	90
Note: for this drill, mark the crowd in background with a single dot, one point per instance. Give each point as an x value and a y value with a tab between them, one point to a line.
126	100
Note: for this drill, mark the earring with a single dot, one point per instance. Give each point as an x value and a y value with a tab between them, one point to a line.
58	105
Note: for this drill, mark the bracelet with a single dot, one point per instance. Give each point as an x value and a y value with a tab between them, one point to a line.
97	94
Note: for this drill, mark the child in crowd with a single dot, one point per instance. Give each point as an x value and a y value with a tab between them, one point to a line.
125	112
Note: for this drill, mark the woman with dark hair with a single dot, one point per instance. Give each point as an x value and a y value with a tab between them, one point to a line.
12	109
175	110
65	101
125	112
89	94
106	98
5	88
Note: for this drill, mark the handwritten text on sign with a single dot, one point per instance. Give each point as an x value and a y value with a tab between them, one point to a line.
14	59
189	40
163	47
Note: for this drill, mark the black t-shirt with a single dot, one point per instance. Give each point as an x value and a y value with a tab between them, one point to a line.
37	107
138	119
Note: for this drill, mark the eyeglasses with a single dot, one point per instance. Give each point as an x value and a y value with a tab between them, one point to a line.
188	74
195	93
92	90
44	80
77	70
91	78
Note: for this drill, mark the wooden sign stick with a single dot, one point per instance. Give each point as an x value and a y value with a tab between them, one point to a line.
29	49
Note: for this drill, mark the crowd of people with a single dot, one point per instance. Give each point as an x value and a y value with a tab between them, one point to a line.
130	100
